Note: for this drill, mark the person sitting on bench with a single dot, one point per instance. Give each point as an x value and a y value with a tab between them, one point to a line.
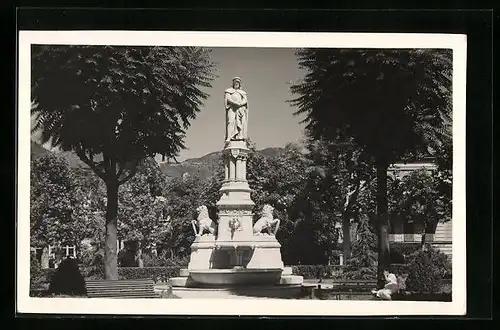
391	286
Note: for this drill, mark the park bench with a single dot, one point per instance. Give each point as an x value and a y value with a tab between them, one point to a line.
346	288
349	288
354	285
121	289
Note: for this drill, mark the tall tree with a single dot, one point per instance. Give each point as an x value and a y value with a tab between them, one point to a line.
52	202
115	106
346	173
141	207
390	101
183	196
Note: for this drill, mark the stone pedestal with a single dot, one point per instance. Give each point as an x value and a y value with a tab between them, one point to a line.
202	252
235	205
235	255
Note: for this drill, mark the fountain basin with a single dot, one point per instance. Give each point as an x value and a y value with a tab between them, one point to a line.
236	276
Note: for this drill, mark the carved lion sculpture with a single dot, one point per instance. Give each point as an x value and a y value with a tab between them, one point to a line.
266	221
203	222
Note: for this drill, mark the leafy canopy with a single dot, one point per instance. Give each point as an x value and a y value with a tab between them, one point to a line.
390	101
126	103
54	203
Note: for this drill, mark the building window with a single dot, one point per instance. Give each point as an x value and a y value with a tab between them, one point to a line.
70	251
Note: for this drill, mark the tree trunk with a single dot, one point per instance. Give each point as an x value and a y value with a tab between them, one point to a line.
110	247
140	261
383	223
424	230
346	237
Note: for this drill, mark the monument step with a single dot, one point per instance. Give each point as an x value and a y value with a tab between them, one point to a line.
178	281
184	272
291	280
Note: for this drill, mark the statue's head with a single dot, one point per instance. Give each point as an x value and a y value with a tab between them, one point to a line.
236	82
267	210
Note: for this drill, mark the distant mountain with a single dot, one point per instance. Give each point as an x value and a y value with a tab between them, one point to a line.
203	166
37	150
206	165
73	160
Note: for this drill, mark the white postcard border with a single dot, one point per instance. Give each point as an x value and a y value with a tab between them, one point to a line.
26	304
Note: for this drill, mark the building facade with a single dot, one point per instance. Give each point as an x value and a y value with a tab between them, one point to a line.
407	232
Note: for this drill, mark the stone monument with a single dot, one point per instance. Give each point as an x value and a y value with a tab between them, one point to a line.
235	250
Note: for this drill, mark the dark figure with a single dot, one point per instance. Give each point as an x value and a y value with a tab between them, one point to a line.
67	280
319	274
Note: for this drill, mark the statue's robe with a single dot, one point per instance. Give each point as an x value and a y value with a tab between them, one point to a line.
236	105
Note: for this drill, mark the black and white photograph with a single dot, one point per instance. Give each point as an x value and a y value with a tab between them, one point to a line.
269	173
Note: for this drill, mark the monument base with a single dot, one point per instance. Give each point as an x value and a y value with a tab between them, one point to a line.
231	277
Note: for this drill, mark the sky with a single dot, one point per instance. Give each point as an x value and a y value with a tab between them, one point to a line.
266	76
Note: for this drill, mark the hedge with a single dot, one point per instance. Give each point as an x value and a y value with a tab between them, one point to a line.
158	274
315	271
161	274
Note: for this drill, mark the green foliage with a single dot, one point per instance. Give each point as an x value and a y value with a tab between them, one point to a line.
183	196
316	271
96	99
421	198
402	251
55	203
92	261
158	274
427	269
141	207
36	275
165	260
363	263
389	101
116	106
399	269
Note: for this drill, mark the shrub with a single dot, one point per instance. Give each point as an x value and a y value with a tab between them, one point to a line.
314	271
126	258
47	274
163	260
36	275
92	262
426	271
399	269
400	252
363	263
67	280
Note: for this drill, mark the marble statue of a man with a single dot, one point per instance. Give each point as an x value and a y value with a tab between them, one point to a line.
236	105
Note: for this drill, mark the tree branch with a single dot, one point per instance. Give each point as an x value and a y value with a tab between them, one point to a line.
353	196
120	171
107	164
80	152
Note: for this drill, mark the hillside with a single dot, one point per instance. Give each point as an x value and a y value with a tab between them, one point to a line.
37	150
203	166
206	165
